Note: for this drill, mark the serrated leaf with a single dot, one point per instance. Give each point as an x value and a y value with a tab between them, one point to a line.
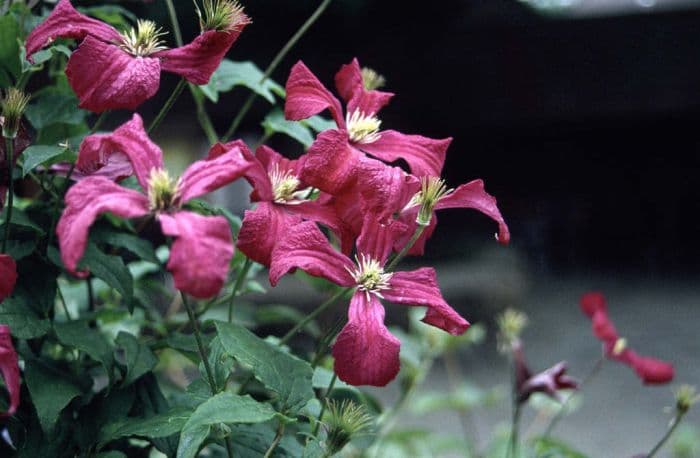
222	408
54	107
160	425
36	155
274	122
50	390
288	376
230	74
133	243
77	334
139	358
22	319
110	269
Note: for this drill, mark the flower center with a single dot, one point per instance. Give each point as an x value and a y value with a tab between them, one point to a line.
162	190
143	40
284	184
370	276
432	189
221	15
371	80
363	128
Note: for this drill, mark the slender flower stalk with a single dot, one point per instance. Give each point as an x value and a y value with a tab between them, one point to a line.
685	398
273	65
239	282
324	404
9	151
168	105
406	248
300	325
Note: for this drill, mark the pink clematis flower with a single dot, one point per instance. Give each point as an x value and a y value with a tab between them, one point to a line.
365	352
203	247
113	70
282	203
333	161
650	370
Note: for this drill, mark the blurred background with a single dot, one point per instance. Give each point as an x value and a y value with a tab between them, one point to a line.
582	118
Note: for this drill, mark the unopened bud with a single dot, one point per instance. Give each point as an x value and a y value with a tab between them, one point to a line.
13	105
371	80
345	421
222	16
686	396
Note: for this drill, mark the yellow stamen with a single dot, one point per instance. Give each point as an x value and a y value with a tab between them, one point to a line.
372	80
162	190
370	276
284	184
144	39
363	128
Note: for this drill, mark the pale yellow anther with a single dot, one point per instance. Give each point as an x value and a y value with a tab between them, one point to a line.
162	190
371	80
284	184
432	189
144	39
221	15
363	128
369	276
620	346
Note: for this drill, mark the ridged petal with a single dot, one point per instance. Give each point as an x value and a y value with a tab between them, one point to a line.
258	177
385	190
196	61
377	238
8	276
9	366
306	96
262	228
348	82
425	156
420	287
106	78
305	247
593	302
365	352
331	163
85	201
201	253
473	195
66	22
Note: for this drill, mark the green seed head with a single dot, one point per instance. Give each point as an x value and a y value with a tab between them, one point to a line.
221	16
344	421
144	39
13	105
372	80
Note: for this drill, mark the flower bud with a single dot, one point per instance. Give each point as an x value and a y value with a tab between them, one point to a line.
221	16
13	106
686	396
345	420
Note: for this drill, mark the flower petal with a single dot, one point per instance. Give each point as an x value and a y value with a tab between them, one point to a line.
212	173
262	228
84	202
305	247
306	96
425	156
420	287
106	78
651	371
365	352
196	61
331	163
201	253
473	195
604	329
258	178
593	302
66	22
116	167
8	276
409	219
377	239
9	366
349	83
385	190
549	382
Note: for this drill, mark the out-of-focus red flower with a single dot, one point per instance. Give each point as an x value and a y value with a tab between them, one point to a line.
8	276
651	371
9	368
113	70
549	381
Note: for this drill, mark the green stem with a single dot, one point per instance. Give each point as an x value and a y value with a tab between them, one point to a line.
674	424
404	250
276	440
515	421
239	281
312	315
324	404
90	295
273	65
168	105
200	344
9	153
99	121
174	22
203	116
65	305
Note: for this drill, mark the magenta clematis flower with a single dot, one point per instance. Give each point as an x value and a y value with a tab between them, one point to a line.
203	247
365	352
333	159
282	203
113	70
650	370
549	381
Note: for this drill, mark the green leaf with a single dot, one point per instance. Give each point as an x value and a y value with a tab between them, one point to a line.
160	425
22	319
133	243
551	448
288	376
231	74
54	107
112	270
115	15
322	379
36	155
19	218
274	122
139	358
9	47
40	57
19	249
220	362
50	391
319	123
252	441
77	334
222	408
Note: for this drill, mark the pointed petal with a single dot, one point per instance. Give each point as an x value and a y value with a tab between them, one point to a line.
604	329
196	61
385	190
418	248
205	176
85	201
420	287
65	22
262	228
549	382
116	167
377	239
365	352
473	195
129	139
348	81
651	371
306	96
257	175
9	366
8	276
305	247
106	78
425	156
201	253
331	163
593	302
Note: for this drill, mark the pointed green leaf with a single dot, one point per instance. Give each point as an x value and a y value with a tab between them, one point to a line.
160	425
22	319
133	243
319	123
77	334
54	107
274	122
9	47
36	155
50	390
231	74
111	269
139	358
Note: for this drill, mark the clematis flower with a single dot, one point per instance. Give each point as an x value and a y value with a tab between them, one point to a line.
365	352
649	370
113	70
333	161
203	247
9	368
282	203
549	381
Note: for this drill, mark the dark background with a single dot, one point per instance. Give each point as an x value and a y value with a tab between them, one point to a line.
586	130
